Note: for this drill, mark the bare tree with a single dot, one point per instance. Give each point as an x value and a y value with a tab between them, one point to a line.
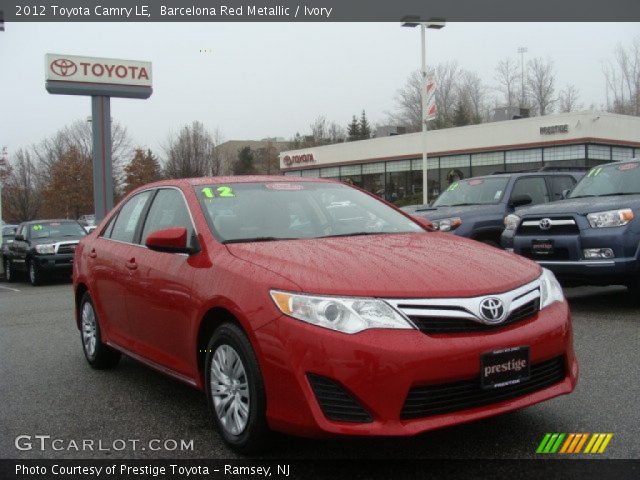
474	92
569	98
190	154
540	82
447	77
507	78
622	76
408	99
22	188
218	159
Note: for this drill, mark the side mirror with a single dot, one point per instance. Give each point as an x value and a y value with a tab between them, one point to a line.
520	200
565	193
18	238
423	222
170	240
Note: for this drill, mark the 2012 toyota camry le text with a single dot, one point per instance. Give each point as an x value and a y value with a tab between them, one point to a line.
313	308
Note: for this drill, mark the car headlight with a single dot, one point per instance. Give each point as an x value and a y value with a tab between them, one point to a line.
46	249
550	289
447	224
610	218
511	222
348	315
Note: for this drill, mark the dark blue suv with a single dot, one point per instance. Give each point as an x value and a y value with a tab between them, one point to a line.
590	238
476	207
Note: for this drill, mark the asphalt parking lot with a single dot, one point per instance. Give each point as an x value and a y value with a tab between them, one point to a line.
47	388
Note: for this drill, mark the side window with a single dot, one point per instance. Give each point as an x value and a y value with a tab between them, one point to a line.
125	225
167	210
558	184
535	187
109	228
23	231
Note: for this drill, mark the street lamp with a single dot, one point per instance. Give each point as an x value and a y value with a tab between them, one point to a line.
436	24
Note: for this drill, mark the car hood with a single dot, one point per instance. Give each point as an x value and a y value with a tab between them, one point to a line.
394	265
42	241
436	213
582	206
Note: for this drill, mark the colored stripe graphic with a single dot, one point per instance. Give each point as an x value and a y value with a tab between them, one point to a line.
572	443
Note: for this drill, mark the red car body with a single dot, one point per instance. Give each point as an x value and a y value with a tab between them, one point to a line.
159	308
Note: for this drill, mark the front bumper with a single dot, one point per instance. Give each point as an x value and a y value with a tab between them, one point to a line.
54	263
379	367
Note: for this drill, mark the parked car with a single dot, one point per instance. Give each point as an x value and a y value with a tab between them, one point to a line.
41	248
249	289
476	207
590	238
87	220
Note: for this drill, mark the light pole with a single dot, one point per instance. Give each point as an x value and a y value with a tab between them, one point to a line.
522	51
436	24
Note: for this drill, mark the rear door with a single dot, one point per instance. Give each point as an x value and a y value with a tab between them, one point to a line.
19	248
109	261
535	187
159	302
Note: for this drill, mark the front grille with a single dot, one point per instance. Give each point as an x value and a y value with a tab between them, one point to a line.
336	403
558	254
530	226
434	325
452	397
67	248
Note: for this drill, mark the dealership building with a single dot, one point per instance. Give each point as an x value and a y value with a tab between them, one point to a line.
391	166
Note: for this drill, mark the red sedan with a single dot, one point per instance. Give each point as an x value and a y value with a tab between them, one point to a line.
314	308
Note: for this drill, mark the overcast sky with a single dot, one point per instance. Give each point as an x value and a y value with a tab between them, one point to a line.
272	79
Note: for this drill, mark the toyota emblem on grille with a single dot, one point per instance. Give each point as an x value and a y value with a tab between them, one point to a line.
545	224
63	67
492	310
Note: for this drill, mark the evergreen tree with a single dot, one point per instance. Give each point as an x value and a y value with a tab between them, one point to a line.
461	114
245	164
353	130
144	168
364	127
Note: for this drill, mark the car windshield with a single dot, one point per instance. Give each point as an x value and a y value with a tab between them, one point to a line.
612	179
245	212
474	191
56	229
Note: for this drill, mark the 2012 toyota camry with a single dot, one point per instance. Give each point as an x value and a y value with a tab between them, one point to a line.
314	308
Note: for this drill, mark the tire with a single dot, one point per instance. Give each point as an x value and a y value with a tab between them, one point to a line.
633	288
9	273
246	430
34	273
99	355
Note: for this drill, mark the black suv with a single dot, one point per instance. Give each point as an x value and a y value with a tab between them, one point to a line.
476	207
590	238
42	247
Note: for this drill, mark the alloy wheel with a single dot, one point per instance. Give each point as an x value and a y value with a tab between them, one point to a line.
89	334
230	389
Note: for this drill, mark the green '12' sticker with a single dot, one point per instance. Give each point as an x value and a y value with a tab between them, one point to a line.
452	187
222	191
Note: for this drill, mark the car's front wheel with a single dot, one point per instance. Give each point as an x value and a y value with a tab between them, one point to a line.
9	274
235	391
36	277
99	355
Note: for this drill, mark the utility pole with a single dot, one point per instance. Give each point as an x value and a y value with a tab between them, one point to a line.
522	51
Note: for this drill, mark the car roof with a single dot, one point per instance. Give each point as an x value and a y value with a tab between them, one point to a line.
49	220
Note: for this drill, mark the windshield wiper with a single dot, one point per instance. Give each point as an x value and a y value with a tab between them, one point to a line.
257	239
356	234
583	196
463	204
618	193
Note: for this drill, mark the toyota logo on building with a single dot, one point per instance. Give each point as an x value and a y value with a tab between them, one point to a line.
492	310
545	224
63	67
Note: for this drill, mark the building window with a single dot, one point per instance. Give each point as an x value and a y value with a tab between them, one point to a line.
314	173
599	152
351	174
432	162
331	172
486	163
621	153
373	178
568	152
399	166
523	159
454	168
292	174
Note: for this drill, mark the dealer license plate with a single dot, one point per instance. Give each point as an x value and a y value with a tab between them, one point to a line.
501	368
542	247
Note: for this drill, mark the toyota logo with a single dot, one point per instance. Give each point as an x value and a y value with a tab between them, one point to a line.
545	224
492	310
63	67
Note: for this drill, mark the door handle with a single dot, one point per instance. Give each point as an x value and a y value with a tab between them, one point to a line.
93	253
131	264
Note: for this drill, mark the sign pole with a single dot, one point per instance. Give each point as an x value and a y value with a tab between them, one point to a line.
102	169
425	184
